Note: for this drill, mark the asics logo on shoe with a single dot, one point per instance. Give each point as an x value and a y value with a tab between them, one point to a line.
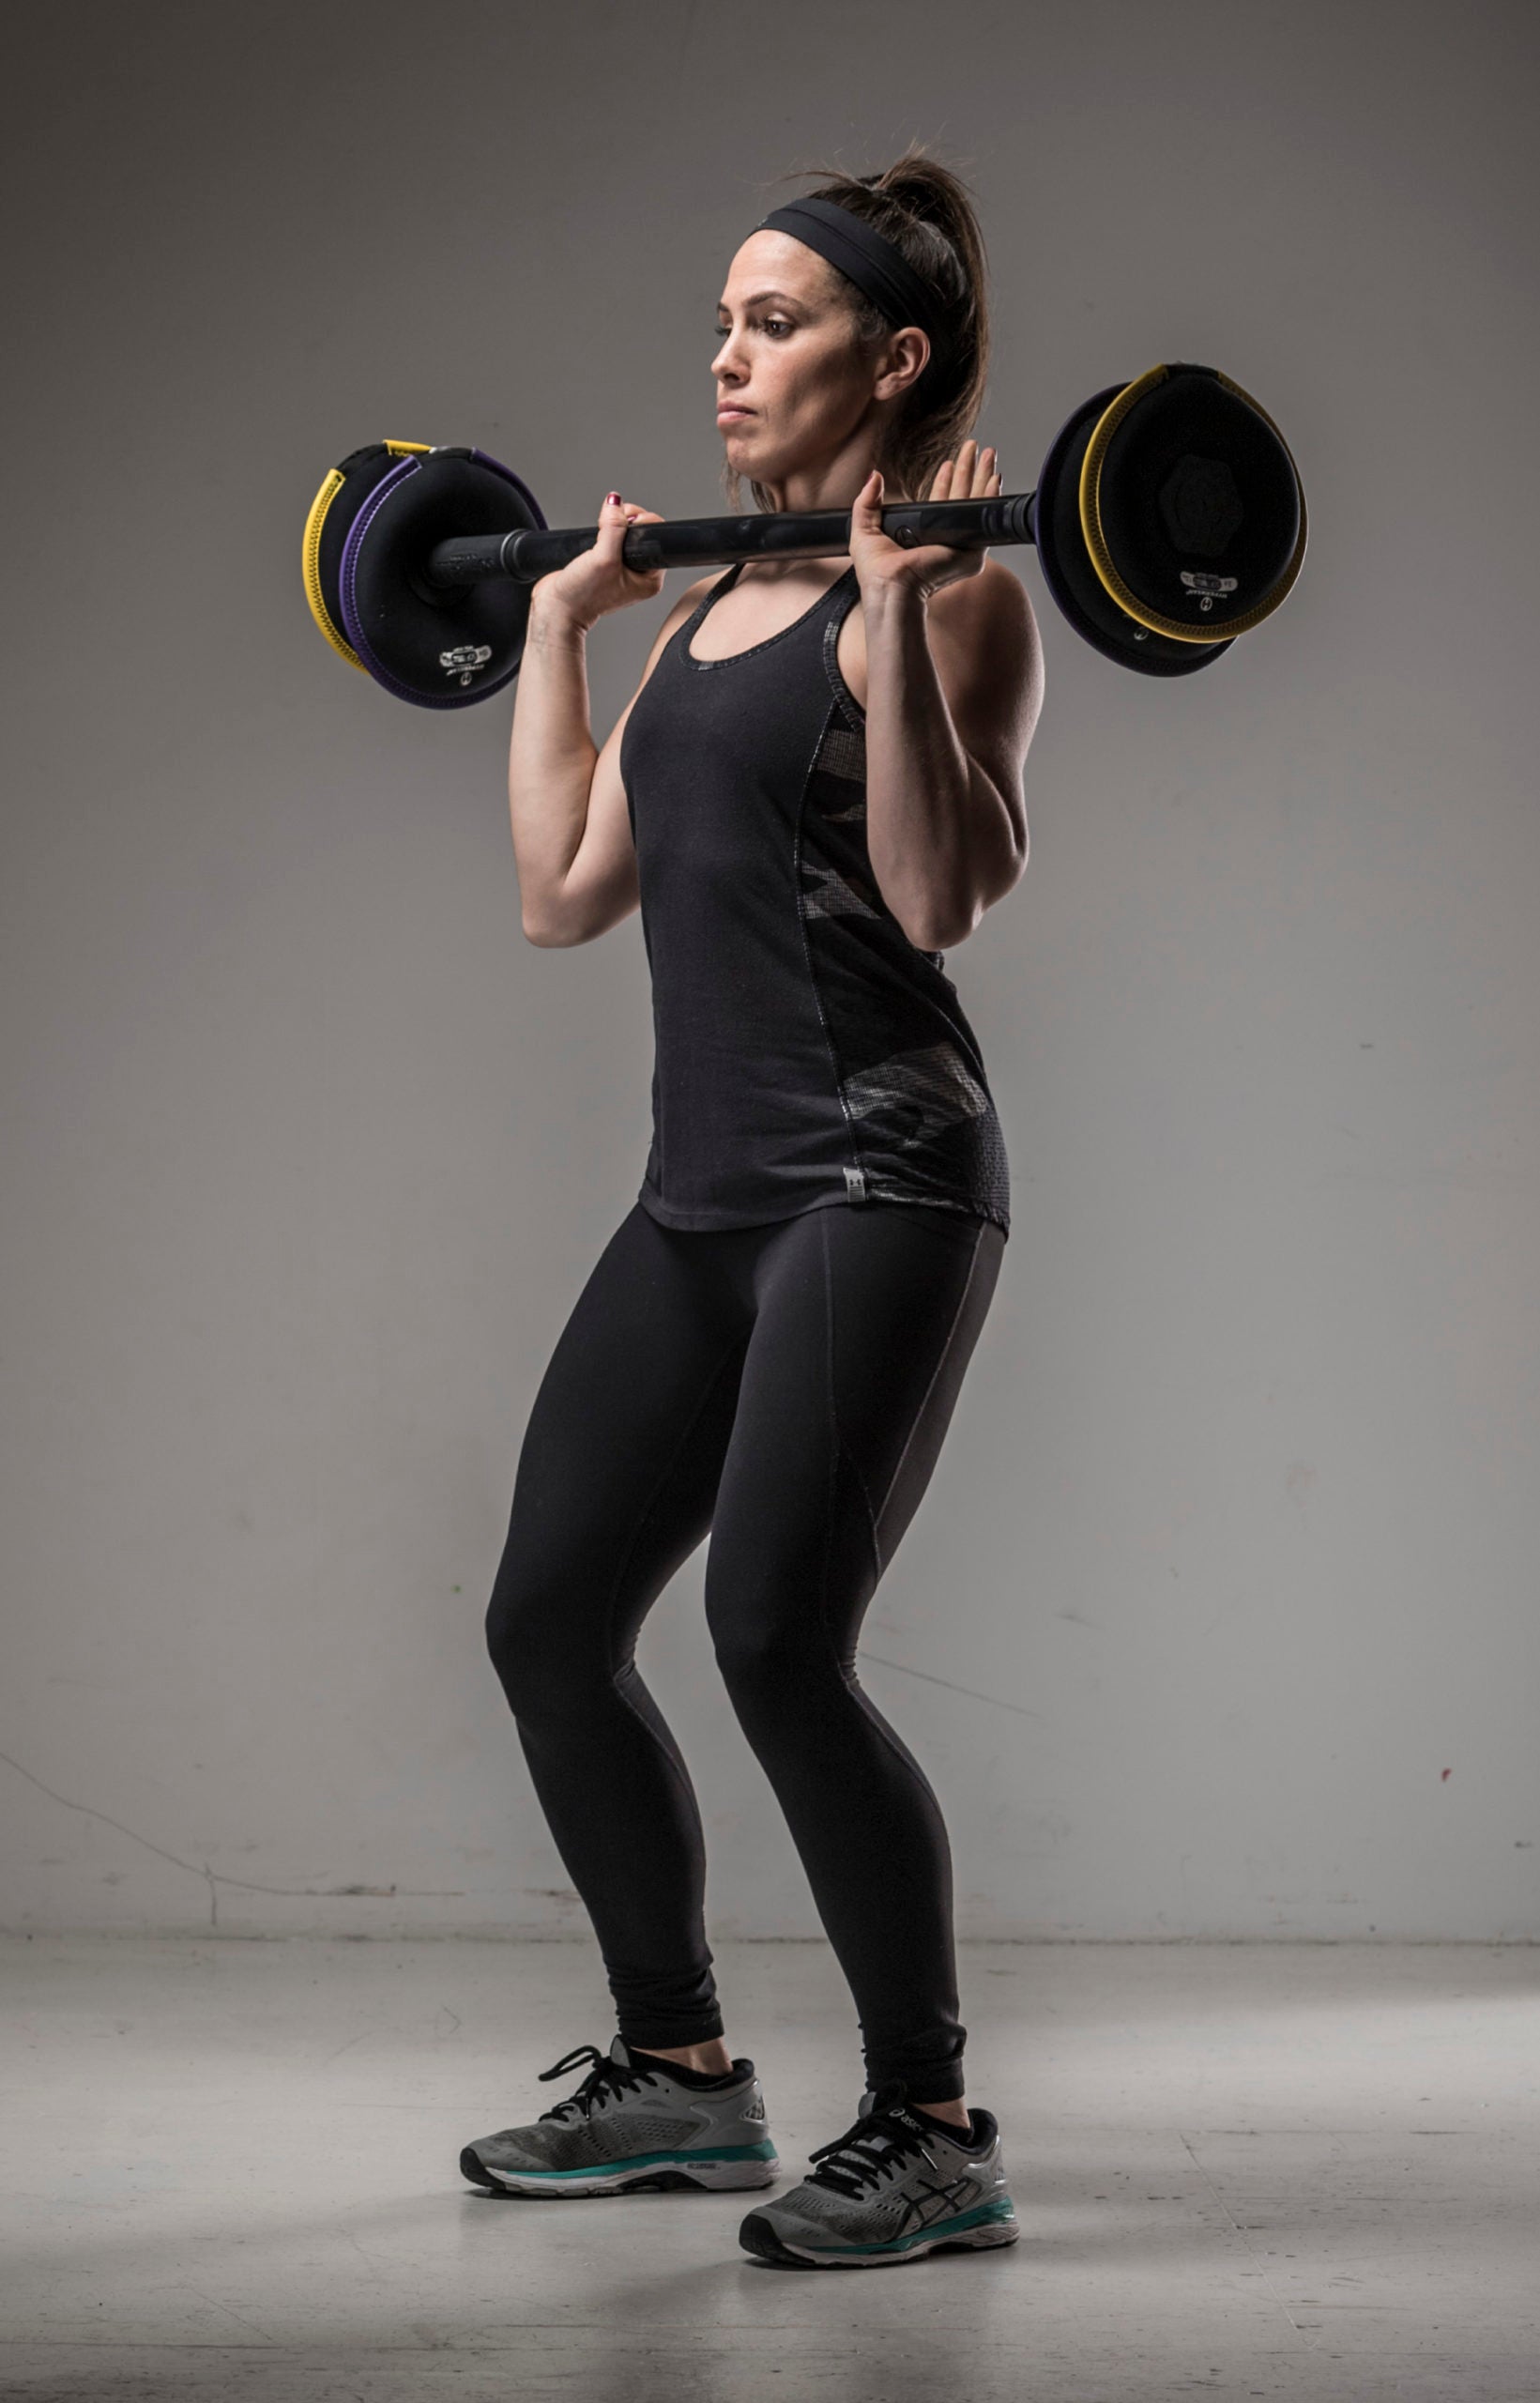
937	2202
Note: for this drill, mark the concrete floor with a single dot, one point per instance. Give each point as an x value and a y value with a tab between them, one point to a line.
1287	2170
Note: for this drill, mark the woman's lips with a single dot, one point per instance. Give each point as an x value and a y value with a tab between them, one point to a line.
728	417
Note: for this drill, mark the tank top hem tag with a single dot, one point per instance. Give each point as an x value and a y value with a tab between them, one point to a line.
855	1185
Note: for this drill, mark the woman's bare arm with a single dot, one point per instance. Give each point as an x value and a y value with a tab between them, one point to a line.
954	692
951	708
567	804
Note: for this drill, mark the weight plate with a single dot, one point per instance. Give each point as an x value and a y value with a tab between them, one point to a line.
442	647
326	529
1067	568
1191	506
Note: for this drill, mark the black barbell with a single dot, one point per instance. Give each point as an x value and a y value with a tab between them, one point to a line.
1169	517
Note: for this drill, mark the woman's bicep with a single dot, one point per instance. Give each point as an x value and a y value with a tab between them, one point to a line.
600	886
988	656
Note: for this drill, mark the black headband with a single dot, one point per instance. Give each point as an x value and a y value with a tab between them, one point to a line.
874	265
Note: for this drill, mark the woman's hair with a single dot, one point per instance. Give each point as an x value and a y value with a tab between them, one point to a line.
926	211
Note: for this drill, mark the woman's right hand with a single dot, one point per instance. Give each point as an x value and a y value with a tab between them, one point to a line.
597	580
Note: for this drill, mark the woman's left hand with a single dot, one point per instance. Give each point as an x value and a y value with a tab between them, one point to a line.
882	564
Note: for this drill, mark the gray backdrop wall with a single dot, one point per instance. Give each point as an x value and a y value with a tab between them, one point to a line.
1220	1615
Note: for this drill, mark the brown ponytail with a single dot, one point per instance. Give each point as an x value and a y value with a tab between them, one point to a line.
927	211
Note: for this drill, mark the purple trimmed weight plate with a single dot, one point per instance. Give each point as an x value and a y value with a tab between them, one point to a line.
441	652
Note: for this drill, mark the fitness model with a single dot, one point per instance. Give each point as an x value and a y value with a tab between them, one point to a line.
810	803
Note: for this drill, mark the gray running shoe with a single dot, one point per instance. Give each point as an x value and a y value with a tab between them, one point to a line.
630	2124
889	2190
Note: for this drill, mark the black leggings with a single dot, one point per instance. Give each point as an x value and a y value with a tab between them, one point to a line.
787	1388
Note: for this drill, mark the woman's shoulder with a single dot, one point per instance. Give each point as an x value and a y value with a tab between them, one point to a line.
986	629
993	601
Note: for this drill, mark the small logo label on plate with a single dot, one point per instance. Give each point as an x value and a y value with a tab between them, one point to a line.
1202	588
466	660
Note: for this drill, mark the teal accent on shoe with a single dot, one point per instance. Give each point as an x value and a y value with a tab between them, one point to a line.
764	2152
1002	2210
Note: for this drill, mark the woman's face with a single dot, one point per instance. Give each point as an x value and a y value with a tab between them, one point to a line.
793	385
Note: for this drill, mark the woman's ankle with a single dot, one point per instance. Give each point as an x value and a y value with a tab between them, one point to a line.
956	2113
713	2058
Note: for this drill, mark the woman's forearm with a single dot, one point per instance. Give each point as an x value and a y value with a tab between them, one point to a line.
938	835
551	758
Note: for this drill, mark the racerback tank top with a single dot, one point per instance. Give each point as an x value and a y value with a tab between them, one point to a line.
805	1051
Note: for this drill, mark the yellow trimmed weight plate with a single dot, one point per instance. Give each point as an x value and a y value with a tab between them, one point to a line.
1191	506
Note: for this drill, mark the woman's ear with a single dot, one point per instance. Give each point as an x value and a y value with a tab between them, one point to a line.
908	357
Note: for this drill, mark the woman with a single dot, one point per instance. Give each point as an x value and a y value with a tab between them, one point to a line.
810	803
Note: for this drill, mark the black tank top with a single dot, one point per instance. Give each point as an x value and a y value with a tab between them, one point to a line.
806	1052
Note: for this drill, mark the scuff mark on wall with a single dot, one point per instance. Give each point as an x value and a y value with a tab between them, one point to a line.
1019	1707
215	1878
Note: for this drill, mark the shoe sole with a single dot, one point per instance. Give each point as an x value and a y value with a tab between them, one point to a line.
759	2236
661	2174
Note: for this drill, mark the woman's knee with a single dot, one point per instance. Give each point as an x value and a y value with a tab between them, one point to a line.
533	1638
784	1602
769	1639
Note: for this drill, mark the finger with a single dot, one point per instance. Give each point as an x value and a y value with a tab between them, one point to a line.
983	469
941	481
868	501
612	525
633	515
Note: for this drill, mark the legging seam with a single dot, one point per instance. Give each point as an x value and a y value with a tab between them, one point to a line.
942	1357
866	1505
838	1445
637	1533
834	1427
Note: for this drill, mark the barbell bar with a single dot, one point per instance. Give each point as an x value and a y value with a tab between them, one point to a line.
1168	519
